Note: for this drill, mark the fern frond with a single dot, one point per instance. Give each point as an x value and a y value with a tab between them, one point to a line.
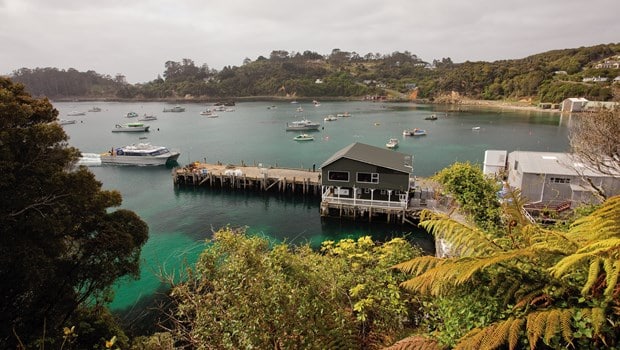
593	253
493	336
612	269
535	326
603	246
457	271
514	333
420	264
603	223
568	263
595	268
499	336
551	241
565	321
415	343
598	319
553	327
466	240
512	207
471	340
526	294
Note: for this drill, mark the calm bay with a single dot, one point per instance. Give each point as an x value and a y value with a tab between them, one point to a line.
181	219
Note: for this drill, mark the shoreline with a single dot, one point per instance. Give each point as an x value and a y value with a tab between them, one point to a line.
506	105
453	105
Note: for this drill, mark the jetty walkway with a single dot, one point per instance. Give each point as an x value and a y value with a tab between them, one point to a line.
260	178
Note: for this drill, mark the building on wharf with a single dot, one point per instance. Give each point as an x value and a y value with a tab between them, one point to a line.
368	182
359	182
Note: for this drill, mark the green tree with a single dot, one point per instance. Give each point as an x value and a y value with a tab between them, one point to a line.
246	294
61	247
545	288
475	193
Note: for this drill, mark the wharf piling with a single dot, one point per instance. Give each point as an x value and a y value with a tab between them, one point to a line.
283	180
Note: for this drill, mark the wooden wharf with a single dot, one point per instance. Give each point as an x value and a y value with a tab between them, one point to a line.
308	183
258	178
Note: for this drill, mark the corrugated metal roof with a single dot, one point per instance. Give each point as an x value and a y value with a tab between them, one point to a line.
551	163
373	155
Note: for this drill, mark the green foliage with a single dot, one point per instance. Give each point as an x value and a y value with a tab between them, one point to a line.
536	287
452	316
53	83
344	74
61	245
475	193
246	294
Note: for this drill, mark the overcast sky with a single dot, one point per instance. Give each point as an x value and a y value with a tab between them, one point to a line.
137	37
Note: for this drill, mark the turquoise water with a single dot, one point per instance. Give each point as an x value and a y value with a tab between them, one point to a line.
181	219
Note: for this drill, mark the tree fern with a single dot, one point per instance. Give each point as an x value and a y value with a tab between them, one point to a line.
463	239
454	272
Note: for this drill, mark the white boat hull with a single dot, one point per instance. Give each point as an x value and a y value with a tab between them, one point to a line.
132	129
106	158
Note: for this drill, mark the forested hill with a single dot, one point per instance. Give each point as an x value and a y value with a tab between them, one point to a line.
545	77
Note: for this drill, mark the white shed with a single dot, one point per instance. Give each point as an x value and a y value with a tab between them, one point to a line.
494	162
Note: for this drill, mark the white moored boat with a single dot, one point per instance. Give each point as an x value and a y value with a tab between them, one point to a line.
147	117
66	121
140	154
175	109
393	143
304	124
304	137
131	127
414	132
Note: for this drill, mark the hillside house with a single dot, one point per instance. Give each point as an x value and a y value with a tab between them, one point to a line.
608	65
594	79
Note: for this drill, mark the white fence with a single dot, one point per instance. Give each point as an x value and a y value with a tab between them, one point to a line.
365	202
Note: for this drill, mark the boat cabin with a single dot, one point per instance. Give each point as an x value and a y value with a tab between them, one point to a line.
361	174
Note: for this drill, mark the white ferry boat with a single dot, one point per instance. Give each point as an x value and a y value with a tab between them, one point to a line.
140	154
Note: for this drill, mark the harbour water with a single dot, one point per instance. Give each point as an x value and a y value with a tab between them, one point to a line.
181	219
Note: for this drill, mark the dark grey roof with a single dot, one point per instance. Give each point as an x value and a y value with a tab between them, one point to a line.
373	155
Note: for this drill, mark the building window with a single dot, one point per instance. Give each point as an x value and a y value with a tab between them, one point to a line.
372	178
559	180
338	176
516	164
383	192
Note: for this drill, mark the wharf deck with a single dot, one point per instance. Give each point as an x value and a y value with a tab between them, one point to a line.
307	182
283	180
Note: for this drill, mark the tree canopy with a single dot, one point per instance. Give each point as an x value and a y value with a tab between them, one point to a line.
61	244
546	77
245	293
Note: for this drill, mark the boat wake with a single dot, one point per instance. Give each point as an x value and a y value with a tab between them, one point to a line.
90	159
